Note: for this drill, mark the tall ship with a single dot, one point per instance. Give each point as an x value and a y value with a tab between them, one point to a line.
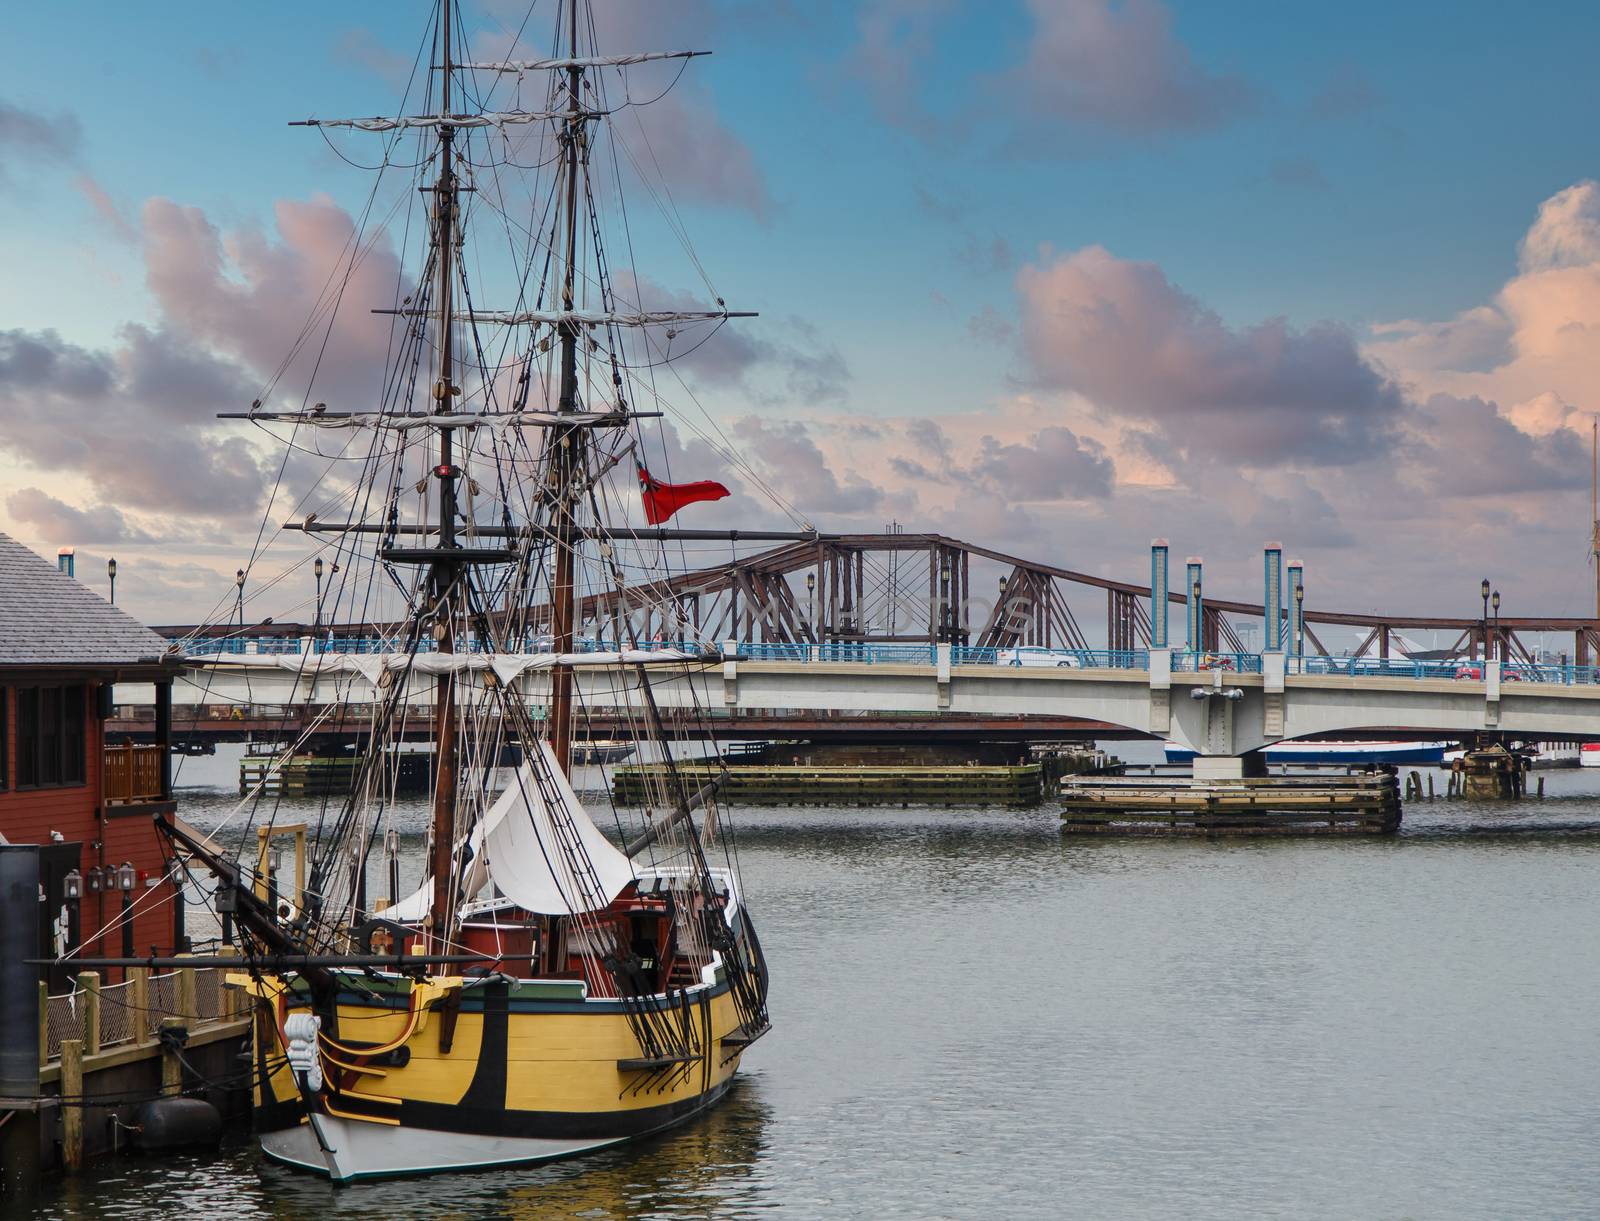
549	988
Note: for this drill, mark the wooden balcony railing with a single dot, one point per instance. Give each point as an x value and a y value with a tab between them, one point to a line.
133	773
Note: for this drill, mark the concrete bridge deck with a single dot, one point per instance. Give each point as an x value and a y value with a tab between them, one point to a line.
1217	705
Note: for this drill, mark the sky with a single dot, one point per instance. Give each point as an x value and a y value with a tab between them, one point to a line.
1057	276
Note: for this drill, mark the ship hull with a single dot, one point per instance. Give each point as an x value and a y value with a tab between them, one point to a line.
357	1151
485	1074
1336	752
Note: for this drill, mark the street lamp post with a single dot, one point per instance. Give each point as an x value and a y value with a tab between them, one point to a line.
316	571
811	598
1484	589
1499	645
111	575
238	580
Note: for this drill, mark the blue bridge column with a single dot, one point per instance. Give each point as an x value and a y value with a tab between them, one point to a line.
1297	611
1272	600
1158	593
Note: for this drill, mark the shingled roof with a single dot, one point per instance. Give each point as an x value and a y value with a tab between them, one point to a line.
48	619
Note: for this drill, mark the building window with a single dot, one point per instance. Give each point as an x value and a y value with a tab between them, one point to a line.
50	731
5	739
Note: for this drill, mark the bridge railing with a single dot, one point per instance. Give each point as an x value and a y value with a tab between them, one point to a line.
1183	662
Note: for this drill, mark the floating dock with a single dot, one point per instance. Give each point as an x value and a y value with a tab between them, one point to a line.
1278	805
326	775
849	785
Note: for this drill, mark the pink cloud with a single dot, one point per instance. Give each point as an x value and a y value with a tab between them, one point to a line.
266	300
1119	68
1122	335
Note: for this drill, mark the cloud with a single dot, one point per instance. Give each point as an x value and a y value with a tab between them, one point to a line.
1566	233
895	39
58	522
105	209
1531	348
1053	464
797	469
127	420
680	136
1478	452
1101	66
1137	347
268	301
29	138
1475	339
771	360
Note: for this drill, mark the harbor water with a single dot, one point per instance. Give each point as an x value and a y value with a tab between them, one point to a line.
975	1017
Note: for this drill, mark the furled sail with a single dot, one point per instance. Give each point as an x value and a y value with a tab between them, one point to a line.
507	667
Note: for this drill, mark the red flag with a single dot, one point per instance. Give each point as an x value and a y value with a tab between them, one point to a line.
662	500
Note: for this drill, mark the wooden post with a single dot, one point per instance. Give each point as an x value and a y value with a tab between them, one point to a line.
139	1002
171	1066
227	998
89	989
44	1023
72	1105
187	1000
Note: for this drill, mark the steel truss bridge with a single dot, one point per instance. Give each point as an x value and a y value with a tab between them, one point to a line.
882	626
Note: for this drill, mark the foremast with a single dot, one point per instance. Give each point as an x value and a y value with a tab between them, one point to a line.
446	571
568	442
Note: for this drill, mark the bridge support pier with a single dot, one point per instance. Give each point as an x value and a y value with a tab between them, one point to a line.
1230	767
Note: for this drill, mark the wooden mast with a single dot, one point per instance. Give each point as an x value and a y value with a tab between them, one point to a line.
567	460
445	572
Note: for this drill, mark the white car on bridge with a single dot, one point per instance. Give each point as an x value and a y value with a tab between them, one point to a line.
1034	655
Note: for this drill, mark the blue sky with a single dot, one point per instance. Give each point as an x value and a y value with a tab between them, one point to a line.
1363	163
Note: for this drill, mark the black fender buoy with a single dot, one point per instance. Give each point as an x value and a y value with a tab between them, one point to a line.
177	1123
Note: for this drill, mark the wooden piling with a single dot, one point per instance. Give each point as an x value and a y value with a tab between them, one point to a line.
72	1103
171	1066
139	1002
89	991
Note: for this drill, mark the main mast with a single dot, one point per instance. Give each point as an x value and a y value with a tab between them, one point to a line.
567	442
446	570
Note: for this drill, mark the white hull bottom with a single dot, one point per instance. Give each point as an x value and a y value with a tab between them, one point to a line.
359	1150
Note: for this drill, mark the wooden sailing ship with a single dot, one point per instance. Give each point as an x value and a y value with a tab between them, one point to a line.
547	990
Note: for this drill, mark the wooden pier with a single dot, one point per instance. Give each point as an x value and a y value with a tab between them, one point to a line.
1278	805
104	1047
849	785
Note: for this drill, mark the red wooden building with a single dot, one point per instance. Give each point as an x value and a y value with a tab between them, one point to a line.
88	802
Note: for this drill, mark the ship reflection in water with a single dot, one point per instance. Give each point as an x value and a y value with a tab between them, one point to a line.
713	1166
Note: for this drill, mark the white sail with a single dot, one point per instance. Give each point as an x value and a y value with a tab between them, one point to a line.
519	848
528	856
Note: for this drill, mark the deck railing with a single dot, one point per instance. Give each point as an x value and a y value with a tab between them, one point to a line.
133	773
104	1016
